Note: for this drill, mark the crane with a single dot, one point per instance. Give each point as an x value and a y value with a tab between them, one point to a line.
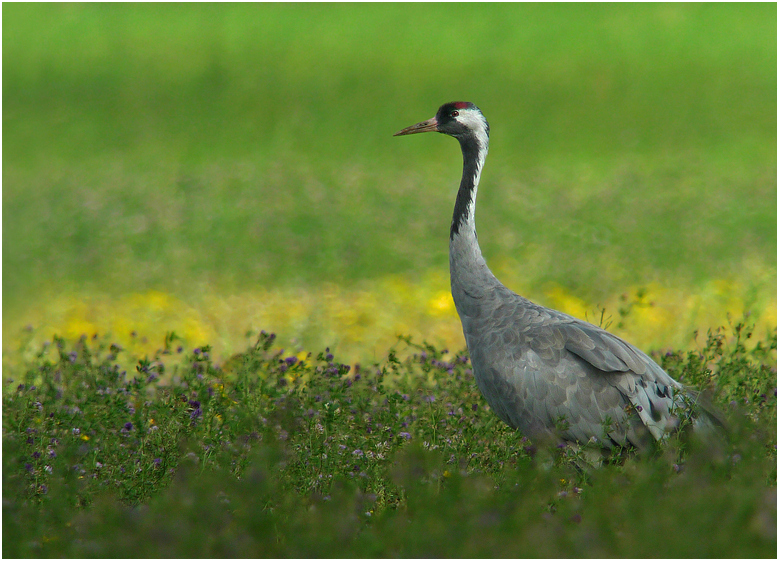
545	373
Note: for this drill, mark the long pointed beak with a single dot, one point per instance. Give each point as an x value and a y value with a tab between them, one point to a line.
430	125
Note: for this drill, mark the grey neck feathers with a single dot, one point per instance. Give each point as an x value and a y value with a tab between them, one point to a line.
470	275
474	155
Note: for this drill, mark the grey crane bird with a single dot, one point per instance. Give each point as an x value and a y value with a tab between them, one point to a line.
543	372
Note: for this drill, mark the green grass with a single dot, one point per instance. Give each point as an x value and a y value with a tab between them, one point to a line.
236	146
275	456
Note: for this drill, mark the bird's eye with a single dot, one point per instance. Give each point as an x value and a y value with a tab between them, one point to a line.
454	113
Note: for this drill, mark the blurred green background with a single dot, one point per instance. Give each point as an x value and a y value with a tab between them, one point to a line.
220	148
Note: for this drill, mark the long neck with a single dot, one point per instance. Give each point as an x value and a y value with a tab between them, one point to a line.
474	154
470	275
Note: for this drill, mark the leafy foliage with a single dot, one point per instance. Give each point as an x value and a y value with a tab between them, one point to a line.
283	455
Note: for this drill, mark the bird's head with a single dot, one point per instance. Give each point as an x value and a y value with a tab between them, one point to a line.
460	119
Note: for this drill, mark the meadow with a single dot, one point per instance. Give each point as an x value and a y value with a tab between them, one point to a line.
225	172
276	455
238	171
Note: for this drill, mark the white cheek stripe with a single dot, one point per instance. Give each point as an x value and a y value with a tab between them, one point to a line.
484	146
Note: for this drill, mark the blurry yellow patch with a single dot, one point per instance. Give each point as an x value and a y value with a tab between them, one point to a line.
566	302
441	304
362	323
78	326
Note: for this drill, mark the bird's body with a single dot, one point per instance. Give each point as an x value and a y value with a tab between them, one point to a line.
544	372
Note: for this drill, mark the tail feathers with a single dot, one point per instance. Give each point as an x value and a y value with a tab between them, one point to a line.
706	419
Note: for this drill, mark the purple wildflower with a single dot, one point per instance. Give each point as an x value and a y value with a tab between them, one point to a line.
128	426
157	461
291	360
430	398
36	454
73	356
405	435
196	351
358	453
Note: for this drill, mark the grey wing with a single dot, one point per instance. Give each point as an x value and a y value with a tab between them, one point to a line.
535	366
652	392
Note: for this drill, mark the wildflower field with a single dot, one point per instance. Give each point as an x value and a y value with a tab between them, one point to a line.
276	455
227	327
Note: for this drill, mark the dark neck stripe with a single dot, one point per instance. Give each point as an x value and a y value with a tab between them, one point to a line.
470	148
